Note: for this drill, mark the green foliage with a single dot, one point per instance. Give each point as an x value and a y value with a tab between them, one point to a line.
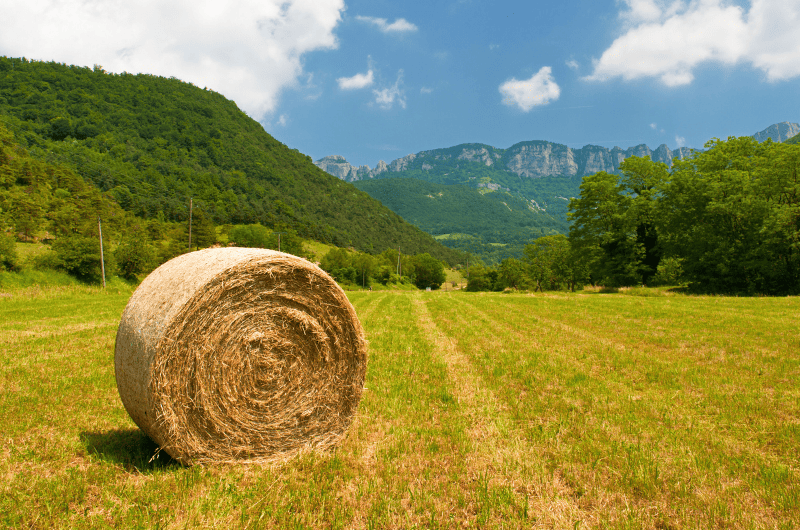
482	279
9	260
513	273
79	256
725	220
732	214
550	263
613	226
252	235
670	272
134	256
428	272
203	232
150	144
493	224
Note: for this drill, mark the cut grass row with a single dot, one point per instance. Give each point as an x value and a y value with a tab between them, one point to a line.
481	410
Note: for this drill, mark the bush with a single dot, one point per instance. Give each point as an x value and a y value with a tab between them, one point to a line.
9	260
80	256
133	257
670	272
254	235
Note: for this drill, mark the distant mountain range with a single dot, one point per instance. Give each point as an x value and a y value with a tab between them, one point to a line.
491	201
531	159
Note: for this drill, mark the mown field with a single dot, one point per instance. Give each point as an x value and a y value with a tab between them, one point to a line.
481	410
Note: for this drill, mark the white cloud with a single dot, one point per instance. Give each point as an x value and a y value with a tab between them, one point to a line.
386	98
248	50
358	81
282	120
425	90
669	40
653	126
400	25
540	89
680	140
573	64
494	46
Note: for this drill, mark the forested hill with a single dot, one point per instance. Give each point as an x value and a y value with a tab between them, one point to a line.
488	222
151	143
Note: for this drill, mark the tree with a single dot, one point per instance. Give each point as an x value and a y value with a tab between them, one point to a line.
428	272
80	256
513	273
203	232
134	256
365	265
252	235
732	216
544	257
613	227
8	253
481	278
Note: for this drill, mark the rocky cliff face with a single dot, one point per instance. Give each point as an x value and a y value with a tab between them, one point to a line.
532	159
780	132
526	159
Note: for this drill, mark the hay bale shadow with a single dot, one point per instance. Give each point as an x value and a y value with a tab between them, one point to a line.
130	448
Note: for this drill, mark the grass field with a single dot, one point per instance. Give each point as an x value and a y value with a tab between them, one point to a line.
481	410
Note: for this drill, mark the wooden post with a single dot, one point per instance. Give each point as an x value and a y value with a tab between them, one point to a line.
102	259
279	239
190	223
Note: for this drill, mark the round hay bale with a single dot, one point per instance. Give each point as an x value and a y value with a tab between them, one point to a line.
240	355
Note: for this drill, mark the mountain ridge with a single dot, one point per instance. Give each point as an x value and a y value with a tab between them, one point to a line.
531	158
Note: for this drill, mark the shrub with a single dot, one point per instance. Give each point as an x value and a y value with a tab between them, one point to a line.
80	256
134	256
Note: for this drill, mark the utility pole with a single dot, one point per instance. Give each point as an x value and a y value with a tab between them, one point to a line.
102	259
279	239
190	223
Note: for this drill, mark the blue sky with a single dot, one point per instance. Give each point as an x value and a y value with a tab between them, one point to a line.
374	80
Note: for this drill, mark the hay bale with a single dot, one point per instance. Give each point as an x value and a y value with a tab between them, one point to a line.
238	354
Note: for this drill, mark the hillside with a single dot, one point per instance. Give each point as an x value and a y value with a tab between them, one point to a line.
489	222
151	143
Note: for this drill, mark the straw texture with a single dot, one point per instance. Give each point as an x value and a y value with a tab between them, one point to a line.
240	355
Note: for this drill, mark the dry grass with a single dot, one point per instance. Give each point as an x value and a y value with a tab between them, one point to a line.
240	355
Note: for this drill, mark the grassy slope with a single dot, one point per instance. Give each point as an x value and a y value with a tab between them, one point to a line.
489	410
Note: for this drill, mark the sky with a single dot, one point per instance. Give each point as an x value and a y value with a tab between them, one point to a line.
377	80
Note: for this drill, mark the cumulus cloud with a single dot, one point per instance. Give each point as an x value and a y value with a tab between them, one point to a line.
248	50
573	64
540	89
400	25
356	82
680	141
385	98
669	40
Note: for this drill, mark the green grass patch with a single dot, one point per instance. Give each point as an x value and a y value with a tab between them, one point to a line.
556	411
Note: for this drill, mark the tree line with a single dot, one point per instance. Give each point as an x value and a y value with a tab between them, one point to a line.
723	220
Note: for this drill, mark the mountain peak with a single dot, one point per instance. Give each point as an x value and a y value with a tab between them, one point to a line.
779	132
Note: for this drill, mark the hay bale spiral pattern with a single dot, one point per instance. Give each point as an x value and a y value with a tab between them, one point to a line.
231	355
